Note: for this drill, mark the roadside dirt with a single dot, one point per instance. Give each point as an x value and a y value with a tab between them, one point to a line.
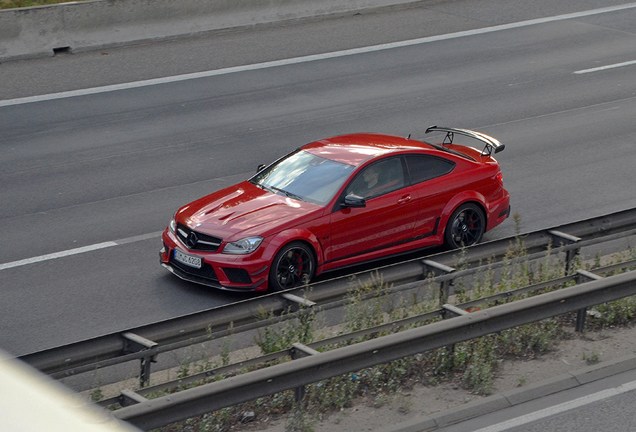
579	351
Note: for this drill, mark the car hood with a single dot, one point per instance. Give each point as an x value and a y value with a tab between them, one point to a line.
244	210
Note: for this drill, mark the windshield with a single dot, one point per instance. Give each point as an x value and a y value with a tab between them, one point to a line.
304	176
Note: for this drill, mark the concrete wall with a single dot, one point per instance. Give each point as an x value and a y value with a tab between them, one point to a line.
38	31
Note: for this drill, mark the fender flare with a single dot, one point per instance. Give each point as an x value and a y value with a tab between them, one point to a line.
302	235
456	202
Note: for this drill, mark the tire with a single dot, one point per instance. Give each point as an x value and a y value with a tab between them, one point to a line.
465	227
293	266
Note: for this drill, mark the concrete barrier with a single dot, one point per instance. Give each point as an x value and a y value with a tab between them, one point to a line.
77	26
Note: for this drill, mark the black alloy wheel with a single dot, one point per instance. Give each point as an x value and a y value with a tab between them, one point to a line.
293	266
466	226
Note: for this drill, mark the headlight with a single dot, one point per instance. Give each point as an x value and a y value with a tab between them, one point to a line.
243	246
173	225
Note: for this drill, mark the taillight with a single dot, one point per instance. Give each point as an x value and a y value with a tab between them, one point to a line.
499	177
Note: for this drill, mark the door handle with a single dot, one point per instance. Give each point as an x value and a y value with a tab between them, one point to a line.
404	199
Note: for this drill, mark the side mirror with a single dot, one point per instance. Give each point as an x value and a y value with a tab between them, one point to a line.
353	200
260	168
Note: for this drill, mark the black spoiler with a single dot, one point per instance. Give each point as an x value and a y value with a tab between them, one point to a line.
492	144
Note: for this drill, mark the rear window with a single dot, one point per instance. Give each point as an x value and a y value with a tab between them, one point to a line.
423	167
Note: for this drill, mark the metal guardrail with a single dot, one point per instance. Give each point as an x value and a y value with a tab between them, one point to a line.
146	342
161	411
445	311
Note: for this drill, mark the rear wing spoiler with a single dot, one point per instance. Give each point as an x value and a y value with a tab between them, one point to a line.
492	145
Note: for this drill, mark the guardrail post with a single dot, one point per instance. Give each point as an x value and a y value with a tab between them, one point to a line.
129	397
303	307
455	311
298	301
297	351
566	239
445	285
134	343
581	277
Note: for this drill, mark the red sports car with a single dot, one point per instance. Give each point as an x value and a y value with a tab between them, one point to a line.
334	203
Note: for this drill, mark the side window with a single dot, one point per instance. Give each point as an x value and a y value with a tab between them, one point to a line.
379	178
423	167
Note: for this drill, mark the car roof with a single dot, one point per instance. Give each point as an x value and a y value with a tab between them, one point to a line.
355	149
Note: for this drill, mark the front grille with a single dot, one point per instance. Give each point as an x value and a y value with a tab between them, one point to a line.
195	240
205	272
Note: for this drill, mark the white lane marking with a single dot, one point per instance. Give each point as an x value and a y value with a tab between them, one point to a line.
79	250
56	255
602	68
315	57
560	408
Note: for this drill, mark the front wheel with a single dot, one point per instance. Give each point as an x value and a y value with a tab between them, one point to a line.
292	267
465	227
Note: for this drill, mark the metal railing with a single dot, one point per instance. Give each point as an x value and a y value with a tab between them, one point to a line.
444	311
145	343
316	366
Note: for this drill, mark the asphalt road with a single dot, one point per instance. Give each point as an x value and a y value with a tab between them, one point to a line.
104	171
606	405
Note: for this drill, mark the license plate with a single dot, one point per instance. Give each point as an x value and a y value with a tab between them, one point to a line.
188	260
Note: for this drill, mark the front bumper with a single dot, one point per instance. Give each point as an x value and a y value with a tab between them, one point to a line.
238	273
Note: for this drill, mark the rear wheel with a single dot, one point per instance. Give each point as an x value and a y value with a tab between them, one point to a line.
466	226
293	266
